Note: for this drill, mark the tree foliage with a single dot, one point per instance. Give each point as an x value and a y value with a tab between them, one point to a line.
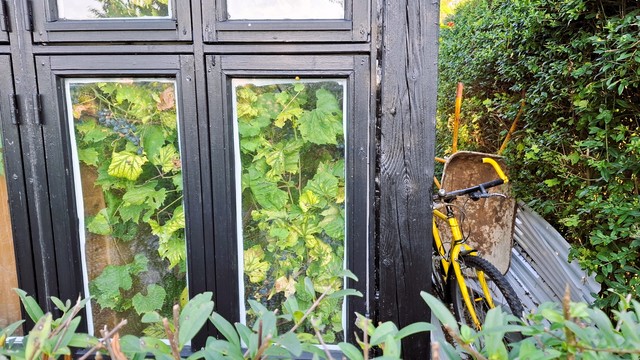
575	159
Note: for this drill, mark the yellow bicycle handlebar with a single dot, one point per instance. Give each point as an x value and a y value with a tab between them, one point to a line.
497	168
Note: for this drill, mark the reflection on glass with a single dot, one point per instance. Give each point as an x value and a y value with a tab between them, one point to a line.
9	303
129	191
284	9
292	195
113	9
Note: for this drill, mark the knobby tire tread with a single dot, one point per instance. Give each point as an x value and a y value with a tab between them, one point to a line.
492	273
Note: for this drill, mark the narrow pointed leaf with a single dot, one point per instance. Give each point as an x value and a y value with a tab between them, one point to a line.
350	351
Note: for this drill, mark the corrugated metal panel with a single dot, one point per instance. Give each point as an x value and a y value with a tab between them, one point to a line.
540	270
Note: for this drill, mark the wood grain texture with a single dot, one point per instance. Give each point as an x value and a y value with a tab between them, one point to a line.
408	49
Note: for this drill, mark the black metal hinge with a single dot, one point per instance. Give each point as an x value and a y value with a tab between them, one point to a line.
28	16
15	111
37	109
4	17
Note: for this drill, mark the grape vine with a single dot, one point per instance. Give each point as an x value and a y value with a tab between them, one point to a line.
291	140
127	143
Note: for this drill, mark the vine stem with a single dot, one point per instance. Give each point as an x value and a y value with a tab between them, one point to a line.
105	338
313	307
65	327
571	337
321	340
473	352
173	202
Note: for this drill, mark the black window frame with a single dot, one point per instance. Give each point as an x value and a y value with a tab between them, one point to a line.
52	72
5	22
46	27
359	169
355	27
10	126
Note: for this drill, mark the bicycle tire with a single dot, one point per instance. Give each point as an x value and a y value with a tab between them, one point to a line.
501	291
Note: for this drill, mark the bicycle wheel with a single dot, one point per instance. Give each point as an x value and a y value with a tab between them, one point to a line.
501	292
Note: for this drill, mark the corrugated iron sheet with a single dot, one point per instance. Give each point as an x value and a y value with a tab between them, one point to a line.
540	270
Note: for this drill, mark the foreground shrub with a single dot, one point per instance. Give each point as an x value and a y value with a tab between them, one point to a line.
555	331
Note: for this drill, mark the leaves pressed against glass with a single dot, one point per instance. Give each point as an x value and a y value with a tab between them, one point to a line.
127	144
291	139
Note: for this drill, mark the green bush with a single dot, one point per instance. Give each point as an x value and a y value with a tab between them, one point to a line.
575	158
565	331
554	331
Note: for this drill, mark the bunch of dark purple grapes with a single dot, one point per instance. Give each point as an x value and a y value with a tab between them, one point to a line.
122	127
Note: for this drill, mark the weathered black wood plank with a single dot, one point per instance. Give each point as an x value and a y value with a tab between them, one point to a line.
408	51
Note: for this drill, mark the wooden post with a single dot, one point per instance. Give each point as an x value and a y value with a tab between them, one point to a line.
408	45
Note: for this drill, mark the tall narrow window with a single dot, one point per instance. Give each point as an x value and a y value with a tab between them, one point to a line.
291	199
129	195
9	303
112	9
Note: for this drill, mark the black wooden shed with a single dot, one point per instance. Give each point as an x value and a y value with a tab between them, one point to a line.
231	145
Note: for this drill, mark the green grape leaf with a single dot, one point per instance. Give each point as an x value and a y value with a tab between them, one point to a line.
140	264
99	224
126	165
333	222
151	302
106	287
176	180
251	144
307	200
89	156
171	242
252	126
132	212
325	186
145	194
173	249
254	267
108	182
167	158
282	157
266	192
95	135
84	126
152	140
288	114
324	124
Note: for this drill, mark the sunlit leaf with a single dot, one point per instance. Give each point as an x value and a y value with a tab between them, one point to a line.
99	224
126	165
146	194
254	267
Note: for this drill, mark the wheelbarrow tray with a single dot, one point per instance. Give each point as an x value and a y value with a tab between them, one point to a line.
487	223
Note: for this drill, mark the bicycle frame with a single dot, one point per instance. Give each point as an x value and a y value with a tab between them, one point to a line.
450	260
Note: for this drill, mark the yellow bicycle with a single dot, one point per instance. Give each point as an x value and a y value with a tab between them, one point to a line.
471	284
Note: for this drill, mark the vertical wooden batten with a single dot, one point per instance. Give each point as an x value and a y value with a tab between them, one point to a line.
407	51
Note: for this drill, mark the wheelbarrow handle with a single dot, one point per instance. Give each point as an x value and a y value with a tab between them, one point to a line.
497	168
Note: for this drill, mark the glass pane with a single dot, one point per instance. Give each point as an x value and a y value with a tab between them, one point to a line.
129	190
284	9
292	196
113	9
9	303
